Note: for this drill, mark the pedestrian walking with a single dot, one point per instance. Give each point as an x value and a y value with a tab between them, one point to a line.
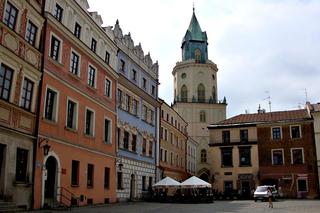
269	193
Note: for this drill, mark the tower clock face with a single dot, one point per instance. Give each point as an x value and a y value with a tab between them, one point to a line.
183	75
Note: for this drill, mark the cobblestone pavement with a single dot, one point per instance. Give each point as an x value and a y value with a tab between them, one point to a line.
282	206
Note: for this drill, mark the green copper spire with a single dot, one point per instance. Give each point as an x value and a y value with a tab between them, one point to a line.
195	40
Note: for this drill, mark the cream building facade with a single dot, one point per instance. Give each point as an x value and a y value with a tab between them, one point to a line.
195	93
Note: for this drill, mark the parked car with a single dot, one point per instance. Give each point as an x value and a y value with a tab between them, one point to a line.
261	193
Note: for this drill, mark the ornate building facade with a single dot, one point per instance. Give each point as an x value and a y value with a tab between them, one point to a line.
173	144
138	118
78	115
196	93
21	29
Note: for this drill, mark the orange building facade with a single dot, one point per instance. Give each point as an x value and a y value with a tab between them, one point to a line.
77	118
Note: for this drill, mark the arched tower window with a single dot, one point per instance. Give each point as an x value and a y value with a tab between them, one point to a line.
197	55
202	116
184	93
214	94
201	93
203	156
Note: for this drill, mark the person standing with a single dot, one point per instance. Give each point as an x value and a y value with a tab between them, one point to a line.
269	192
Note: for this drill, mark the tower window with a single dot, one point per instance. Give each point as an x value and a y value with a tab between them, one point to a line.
197	55
201	93
184	93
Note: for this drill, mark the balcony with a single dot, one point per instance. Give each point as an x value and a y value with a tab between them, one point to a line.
196	100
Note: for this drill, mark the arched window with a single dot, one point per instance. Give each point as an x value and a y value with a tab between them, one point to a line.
201	93
197	55
214	94
202	116
203	156
184	93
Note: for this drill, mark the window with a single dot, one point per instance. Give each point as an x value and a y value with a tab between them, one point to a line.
144	83
243	135
75	173
228	186
277	157
295	131
150	148
58	12
107	57
297	156
107	88
171	158
119	97
90	175
134	143
127	102
226	136
276	133
89	122
184	93
71	114
107	131
55	48
302	185
197	55
203	156
165	155
93	45
31	33
134	107
150	183
21	165
74	63
119	180
91	76
171	138
51	105
27	92
151	116
202	116
134	75
77	30
245	156
165	135
106	177
122	65
118	136
161	155
153	90
201	93
226	157
144	146
144	183
6	75
10	16
144	113
126	140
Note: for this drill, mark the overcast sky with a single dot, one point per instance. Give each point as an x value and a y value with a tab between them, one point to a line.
262	47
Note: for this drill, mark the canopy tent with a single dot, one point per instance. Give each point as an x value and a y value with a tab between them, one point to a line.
167	181
195	182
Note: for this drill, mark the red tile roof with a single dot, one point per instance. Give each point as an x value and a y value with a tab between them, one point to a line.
292	115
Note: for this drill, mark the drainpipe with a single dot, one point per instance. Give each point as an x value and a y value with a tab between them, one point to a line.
35	146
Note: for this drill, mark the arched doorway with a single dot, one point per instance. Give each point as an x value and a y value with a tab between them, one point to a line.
204	177
50	183
132	187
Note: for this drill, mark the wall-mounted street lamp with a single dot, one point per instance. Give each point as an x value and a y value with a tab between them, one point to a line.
45	147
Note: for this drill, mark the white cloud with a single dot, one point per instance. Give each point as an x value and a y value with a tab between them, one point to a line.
258	45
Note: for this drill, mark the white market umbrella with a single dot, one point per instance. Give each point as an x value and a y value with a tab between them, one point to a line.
195	182
167	181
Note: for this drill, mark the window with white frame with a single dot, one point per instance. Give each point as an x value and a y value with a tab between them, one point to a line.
107	87
91	76
276	133
302	185
10	16
72	114
74	63
27	93
295	131
6	77
134	107
107	130
297	156
55	48
144	113
277	156
58	12
50	111
31	33
89	122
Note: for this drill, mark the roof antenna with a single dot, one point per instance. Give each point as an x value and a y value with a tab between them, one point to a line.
269	100
193	7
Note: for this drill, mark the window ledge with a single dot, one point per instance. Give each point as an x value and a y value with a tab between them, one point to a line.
77	77
245	165
89	136
55	62
22	184
49	121
91	88
71	129
76	186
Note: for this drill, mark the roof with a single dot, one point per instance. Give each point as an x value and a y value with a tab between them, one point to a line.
194	31
266	117
314	107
